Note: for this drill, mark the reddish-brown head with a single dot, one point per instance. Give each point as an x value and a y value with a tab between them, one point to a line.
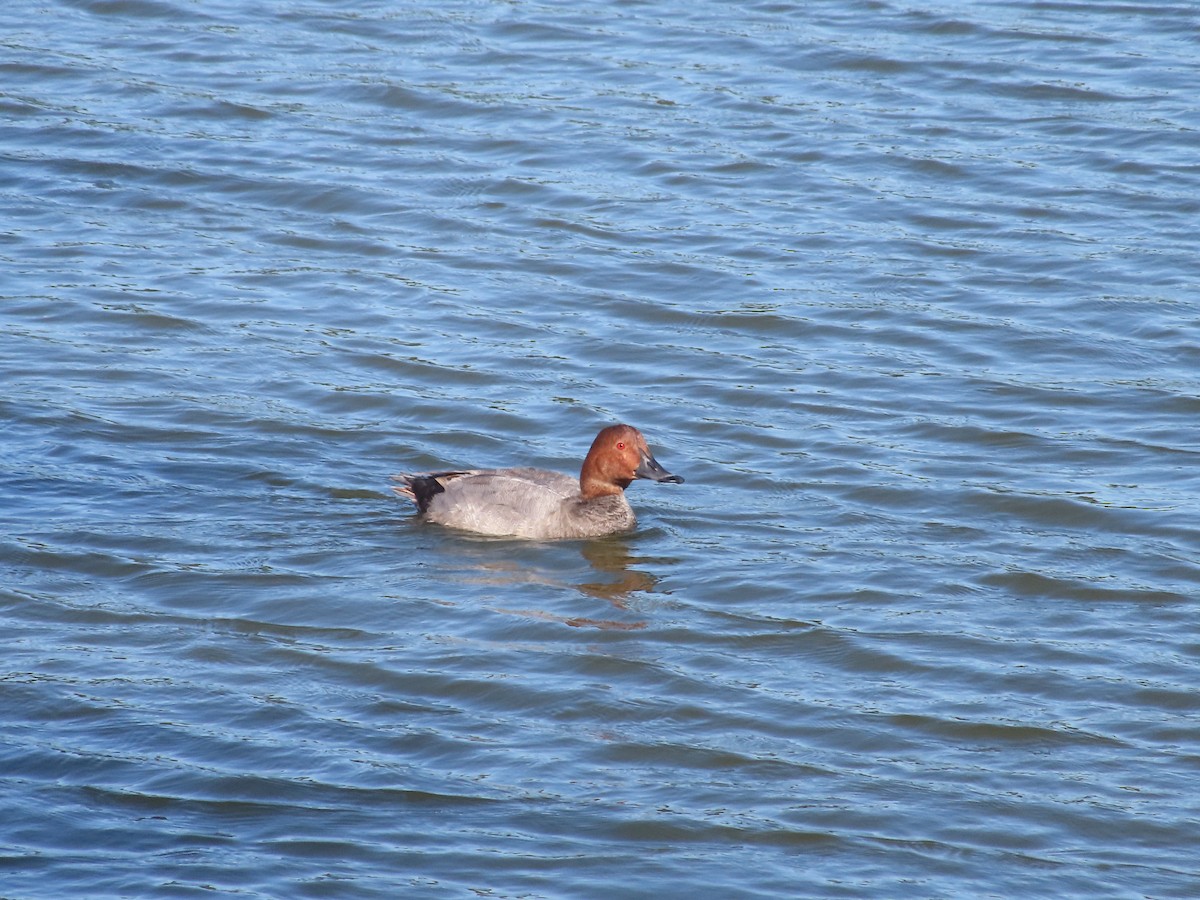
619	454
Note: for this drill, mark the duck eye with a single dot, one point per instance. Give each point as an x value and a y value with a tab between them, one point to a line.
620	445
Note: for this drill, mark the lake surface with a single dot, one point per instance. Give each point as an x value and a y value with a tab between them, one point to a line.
906	292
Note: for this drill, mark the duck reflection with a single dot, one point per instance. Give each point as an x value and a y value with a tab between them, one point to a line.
613	558
614	574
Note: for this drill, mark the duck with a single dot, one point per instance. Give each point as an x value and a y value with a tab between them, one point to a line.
538	504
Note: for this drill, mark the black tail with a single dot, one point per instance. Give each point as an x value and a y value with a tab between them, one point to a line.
424	488
421	489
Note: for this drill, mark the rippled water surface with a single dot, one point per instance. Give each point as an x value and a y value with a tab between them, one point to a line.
907	292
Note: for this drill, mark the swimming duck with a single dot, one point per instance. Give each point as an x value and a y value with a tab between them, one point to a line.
539	504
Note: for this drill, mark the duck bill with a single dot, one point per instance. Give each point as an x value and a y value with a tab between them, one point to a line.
652	469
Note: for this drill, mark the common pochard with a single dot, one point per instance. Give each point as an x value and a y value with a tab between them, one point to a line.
538	504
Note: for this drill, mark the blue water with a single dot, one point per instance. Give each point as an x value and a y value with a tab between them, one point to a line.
906	293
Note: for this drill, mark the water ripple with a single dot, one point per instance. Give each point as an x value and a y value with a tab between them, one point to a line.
905	294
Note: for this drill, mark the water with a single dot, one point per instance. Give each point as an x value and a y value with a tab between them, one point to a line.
907	294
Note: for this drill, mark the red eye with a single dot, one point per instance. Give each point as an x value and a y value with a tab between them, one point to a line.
620	445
